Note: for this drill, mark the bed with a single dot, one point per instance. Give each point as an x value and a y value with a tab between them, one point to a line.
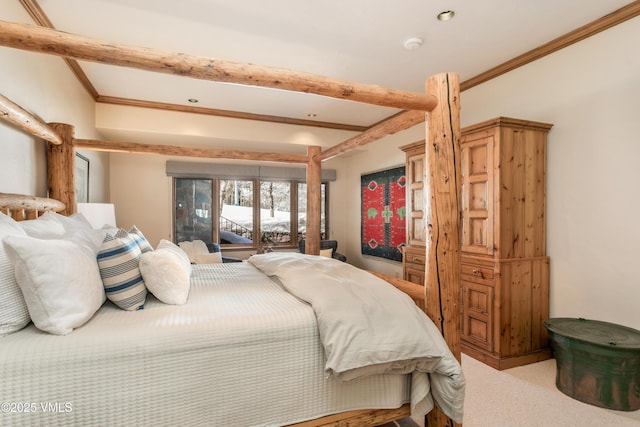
439	297
246	349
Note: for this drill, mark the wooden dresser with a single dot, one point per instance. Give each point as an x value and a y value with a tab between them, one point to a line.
414	254
504	267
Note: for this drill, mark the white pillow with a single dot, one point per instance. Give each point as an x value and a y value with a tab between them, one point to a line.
185	246
167	275
43	228
326	252
208	258
118	260
59	279
14	314
194	248
76	221
172	246
199	247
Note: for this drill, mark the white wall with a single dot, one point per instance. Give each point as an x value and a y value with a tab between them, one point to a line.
46	87
141	193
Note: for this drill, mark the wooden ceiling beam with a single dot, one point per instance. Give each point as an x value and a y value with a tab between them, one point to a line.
401	121
50	41
173	150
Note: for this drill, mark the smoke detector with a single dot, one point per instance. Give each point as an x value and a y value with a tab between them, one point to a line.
413	43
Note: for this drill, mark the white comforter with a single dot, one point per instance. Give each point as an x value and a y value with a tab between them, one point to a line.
367	327
241	352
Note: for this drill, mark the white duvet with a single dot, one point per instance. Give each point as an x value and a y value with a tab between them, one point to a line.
241	352
367	327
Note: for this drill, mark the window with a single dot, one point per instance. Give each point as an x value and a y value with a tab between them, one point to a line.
246	212
302	211
192	214
236	211
275	212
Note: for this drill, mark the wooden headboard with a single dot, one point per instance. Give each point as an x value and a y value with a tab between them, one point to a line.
21	207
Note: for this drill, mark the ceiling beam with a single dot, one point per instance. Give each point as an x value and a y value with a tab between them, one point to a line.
621	15
173	150
401	121
53	42
37	14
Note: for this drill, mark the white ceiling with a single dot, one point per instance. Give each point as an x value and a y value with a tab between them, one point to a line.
358	40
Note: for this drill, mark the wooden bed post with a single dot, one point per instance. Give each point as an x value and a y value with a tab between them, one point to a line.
442	278
61	168
15	114
314	200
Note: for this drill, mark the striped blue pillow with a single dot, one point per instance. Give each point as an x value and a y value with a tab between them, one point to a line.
118	259
142	241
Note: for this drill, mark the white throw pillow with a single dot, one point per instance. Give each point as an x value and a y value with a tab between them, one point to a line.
167	275
199	247
208	258
193	249
118	260
59	279
326	252
186	246
14	314
175	248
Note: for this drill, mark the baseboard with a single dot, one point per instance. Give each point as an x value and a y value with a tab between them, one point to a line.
501	363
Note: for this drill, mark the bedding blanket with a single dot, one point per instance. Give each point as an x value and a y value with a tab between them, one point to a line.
241	352
367	326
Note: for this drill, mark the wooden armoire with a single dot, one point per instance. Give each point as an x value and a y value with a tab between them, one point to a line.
414	253
504	267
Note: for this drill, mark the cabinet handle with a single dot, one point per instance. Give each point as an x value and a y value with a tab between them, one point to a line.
476	271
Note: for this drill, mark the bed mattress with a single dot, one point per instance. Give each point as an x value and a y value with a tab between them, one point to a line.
241	352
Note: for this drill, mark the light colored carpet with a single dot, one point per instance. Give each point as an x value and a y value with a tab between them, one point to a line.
527	396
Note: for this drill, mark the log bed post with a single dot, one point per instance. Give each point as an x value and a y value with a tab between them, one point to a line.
314	201
26	121
442	278
61	168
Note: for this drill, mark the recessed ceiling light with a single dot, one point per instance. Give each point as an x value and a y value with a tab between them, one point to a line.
446	15
193	100
412	43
